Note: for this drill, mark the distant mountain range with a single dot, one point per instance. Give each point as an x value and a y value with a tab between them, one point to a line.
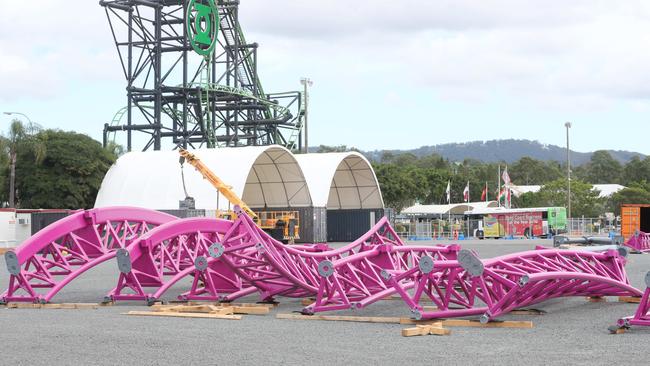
503	150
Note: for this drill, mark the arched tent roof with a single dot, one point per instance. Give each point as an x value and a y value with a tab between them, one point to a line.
453	209
261	175
341	181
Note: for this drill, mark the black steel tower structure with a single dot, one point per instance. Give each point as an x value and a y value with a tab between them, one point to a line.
181	95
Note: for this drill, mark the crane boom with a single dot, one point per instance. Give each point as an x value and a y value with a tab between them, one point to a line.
217	183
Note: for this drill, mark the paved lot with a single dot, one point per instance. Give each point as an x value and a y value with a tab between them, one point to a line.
573	332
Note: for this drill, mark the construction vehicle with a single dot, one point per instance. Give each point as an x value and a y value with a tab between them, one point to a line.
281	225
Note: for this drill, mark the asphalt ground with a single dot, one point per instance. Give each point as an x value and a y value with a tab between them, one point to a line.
573	331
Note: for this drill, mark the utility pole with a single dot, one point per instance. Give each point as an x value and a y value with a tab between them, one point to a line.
306	82
568	169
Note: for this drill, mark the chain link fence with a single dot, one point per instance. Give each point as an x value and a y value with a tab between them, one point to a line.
457	228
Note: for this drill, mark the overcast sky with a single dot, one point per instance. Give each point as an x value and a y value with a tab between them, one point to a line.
387	74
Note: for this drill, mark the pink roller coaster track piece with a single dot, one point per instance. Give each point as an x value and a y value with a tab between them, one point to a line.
280	270
640	242
175	250
470	286
62	251
642	315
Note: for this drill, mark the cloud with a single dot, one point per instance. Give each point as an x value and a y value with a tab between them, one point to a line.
48	47
574	50
570	54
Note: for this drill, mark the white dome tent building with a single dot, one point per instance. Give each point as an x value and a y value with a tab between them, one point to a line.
345	191
267	178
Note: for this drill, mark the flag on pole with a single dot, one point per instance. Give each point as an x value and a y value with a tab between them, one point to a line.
506	177
484	194
506	196
466	192
448	191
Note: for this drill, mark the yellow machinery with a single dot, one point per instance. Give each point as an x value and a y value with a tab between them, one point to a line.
271	221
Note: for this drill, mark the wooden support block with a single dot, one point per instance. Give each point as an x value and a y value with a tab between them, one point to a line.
596	299
426	329
361	319
307	301
630	299
184	315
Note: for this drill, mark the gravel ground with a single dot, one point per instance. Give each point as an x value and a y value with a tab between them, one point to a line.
573	331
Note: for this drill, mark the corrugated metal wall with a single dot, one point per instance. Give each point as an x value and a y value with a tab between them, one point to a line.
348	225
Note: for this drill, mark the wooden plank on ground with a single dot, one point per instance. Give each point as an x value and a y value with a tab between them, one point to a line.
596	299
527	312
491	324
341	318
183	315
251	310
630	299
470	323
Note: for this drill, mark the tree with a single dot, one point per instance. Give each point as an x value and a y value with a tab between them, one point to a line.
21	137
603	168
636	170
585	201
529	171
68	177
637	193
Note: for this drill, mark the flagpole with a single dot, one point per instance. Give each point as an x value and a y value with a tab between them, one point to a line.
499	187
467	201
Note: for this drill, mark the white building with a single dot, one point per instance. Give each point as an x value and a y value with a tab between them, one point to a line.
337	187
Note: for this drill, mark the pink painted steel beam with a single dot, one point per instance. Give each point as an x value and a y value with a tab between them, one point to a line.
154	262
280	270
640	242
470	286
64	250
642	315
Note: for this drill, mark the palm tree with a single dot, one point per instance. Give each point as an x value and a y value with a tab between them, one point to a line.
21	136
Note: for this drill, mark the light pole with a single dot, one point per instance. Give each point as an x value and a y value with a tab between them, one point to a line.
20	114
568	169
306	82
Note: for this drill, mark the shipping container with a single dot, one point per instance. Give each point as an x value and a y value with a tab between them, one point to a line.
634	217
41	219
349	225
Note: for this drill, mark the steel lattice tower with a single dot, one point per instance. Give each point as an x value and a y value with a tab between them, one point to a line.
176	94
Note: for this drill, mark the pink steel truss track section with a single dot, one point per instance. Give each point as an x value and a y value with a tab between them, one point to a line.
62	251
470	286
279	270
160	258
642	315
640	242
